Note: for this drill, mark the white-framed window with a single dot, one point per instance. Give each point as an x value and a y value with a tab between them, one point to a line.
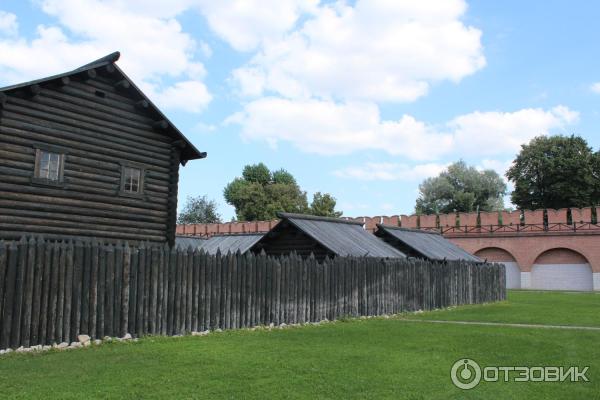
132	179
49	165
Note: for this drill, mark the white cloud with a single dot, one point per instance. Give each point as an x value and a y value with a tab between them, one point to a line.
500	166
374	50
390	171
191	96
245	24
595	87
325	127
8	23
204	128
489	133
156	51
329	128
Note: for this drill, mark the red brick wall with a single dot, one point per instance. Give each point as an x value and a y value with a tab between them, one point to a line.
525	247
560	256
529	249
494	254
225	228
408	221
488	218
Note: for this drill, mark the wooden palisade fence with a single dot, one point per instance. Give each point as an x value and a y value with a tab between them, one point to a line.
50	292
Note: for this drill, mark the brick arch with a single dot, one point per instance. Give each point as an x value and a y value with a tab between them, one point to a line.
544	246
527	248
569	278
495	254
510	249
562	255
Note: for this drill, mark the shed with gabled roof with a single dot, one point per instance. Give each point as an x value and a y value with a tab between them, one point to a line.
423	244
323	237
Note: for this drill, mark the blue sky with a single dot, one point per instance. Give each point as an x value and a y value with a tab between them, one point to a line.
360	99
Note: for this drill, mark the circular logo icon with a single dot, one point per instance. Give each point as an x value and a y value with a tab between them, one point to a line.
465	374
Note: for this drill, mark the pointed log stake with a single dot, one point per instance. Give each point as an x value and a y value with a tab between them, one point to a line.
124	84
142	104
162	124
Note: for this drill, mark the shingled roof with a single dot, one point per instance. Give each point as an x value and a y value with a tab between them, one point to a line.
338	237
189	152
423	244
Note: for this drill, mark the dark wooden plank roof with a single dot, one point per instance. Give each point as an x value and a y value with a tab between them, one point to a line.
431	245
229	243
185	242
341	237
190	152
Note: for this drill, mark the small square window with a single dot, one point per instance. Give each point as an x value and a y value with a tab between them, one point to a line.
132	180
49	166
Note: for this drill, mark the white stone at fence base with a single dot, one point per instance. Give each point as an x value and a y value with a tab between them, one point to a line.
83	339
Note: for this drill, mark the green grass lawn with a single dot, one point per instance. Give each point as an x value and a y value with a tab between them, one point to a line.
374	358
524	307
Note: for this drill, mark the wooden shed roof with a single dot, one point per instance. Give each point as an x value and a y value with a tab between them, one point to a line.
231	243
189	152
185	242
341	237
430	245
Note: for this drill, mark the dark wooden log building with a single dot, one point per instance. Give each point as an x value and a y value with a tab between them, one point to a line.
87	154
323	237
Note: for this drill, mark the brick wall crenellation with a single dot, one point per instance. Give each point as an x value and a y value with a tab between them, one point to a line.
556	219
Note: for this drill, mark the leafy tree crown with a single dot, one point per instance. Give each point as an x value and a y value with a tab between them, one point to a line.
461	188
555	172
259	194
199	210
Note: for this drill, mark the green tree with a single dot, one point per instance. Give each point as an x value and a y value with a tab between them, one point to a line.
199	210
259	194
596	178
324	205
461	188
257	173
555	172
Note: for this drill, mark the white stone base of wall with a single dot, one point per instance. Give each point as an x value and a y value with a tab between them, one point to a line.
525	280
597	281
513	275
561	277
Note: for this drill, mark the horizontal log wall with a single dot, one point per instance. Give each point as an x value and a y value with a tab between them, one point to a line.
50	292
99	127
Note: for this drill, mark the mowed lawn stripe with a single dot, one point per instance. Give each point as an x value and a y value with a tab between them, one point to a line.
523	307
374	358
505	324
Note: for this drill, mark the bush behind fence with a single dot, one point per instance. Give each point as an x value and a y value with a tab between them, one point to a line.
51	292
